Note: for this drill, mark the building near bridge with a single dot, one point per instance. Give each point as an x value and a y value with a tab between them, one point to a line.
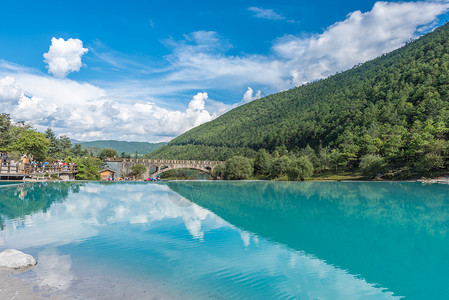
107	173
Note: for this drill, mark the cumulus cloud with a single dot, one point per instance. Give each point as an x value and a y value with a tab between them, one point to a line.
86	112
264	13
21	107
9	89
201	57
248	96
361	37
64	57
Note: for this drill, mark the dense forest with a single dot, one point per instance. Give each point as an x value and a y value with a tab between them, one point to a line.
129	148
390	114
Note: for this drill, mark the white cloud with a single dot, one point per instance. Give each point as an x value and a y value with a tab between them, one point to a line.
361	37
85	112
264	13
200	59
64	57
248	96
9	89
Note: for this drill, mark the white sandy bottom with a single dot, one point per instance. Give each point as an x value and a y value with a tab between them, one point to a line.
22	285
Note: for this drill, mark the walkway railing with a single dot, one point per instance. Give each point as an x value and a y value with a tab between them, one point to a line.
29	169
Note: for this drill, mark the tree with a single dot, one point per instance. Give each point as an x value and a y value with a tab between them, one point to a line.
219	171
88	168
371	165
55	146
262	162
280	166
78	151
138	170
65	143
299	168
107	152
238	167
31	142
336	158
5	131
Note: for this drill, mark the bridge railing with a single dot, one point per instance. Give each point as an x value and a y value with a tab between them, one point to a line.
173	161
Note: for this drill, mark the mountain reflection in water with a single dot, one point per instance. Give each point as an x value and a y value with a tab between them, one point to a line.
393	234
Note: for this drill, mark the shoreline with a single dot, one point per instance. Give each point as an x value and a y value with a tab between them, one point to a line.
24	285
16	288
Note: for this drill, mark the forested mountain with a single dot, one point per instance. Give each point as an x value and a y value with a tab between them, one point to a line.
122	146
395	107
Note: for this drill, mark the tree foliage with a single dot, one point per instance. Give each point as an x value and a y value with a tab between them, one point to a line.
107	152
32	143
238	167
138	170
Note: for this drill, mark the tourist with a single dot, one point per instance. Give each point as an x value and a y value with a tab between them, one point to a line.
4	158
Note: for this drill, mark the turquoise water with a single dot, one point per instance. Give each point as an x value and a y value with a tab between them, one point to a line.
232	240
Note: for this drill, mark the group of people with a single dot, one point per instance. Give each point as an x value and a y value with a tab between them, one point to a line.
4	158
46	166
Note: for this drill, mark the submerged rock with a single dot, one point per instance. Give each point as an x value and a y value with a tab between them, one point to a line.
12	258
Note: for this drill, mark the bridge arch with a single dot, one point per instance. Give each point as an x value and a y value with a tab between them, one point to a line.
162	170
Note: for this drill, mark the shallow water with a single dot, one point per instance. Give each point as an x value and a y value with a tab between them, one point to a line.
231	240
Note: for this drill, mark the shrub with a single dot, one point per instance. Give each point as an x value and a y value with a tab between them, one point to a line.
138	170
219	171
299	168
371	165
238	167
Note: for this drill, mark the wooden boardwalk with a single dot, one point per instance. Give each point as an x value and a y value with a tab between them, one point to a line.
16	170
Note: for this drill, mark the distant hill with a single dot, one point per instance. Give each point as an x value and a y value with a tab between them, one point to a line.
395	106
121	146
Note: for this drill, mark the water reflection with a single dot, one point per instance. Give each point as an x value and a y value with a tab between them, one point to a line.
54	270
20	200
392	234
237	240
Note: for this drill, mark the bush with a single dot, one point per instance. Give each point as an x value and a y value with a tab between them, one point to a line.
280	166
262	162
372	165
219	171
138	170
238	167
299	168
88	168
429	161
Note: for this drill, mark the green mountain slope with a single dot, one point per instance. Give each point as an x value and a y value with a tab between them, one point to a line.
122	146
395	106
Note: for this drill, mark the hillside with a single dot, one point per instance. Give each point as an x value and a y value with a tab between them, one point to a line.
395	106
122	146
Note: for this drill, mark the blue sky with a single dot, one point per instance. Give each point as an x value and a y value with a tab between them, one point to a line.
138	70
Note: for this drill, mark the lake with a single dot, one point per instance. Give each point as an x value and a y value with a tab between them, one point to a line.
231	240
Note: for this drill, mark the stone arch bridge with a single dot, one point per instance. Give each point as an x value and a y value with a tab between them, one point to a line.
162	165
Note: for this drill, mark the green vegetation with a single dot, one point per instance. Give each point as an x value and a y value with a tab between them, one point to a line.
107	152
391	113
184	174
128	148
138	170
30	142
238	167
